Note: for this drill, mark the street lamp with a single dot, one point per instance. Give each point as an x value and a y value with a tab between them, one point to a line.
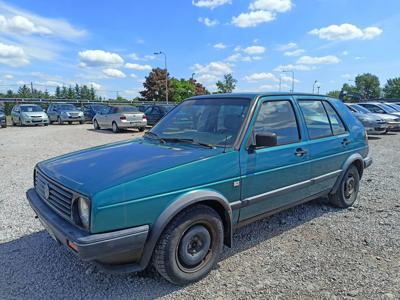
290	71
166	73
313	86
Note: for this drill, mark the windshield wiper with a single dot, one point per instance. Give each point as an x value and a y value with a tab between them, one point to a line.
188	141
154	135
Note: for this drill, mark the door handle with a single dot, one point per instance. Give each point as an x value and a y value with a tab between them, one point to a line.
346	141
300	152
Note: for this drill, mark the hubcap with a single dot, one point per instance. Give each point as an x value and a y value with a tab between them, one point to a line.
194	248
349	186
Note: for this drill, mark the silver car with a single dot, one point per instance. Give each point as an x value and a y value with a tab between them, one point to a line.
373	123
65	112
393	121
28	114
120	117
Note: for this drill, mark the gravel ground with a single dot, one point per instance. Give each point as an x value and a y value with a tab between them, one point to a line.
311	251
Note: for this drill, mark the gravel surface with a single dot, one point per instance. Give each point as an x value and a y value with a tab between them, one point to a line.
311	251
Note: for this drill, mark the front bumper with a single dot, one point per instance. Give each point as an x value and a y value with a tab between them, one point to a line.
111	248
72	119
34	121
367	162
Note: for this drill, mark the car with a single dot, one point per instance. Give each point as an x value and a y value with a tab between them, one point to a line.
28	114
155	112
393	121
3	120
90	110
120	117
143	107
373	123
172	198
395	106
65	112
379	108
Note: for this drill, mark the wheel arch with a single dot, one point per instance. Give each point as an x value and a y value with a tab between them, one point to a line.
210	198
354	159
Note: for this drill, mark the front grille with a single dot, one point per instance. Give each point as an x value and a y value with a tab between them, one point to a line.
74	115
381	122
58	197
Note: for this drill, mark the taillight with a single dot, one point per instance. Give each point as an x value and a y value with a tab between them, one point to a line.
144	118
122	117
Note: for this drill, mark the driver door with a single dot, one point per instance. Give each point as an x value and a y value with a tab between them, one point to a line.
275	176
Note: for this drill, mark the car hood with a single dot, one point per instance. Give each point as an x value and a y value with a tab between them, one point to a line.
93	170
368	117
70	111
35	114
388	117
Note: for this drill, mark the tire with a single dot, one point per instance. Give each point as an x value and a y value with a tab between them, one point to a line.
59	121
69	123
81	122
141	129
199	230
96	125
115	128
348	189
4	125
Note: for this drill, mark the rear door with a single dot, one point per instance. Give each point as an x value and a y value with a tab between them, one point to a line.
329	143
274	177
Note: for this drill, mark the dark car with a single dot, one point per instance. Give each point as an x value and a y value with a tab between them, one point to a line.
143	107
155	112
90	110
3	121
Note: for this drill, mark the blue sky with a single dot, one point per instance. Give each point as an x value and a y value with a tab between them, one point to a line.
110	44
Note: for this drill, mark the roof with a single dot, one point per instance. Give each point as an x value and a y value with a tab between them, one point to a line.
254	95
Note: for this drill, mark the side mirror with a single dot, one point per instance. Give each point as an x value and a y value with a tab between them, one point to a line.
267	139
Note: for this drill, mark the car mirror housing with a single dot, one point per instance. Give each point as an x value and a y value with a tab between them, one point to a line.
265	139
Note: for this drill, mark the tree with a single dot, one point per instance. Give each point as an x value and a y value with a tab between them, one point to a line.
334	94
154	86
368	85
24	92
199	88
392	88
182	89
58	92
227	85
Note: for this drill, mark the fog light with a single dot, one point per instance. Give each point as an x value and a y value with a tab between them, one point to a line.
84	211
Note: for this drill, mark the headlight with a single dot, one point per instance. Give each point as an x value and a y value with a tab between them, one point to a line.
84	211
81	113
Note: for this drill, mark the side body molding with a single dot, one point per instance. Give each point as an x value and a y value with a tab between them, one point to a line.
354	158
209	197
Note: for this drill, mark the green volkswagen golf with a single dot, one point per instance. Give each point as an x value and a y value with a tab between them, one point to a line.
173	198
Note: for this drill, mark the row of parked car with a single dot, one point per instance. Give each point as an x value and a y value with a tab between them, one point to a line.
102	116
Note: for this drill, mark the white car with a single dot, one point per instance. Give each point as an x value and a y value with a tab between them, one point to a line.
120	117
392	120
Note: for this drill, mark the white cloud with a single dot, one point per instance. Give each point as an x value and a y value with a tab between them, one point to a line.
96	58
345	53
8	76
149	57
296	52
345	32
347	76
114	73
291	67
133	75
134	56
211	4
288	46
220	46
213	68
234	57
253	18
207	78
20	24
138	67
318	60
208	22
272	5
96	86
260	77
254	50
13	56
289	79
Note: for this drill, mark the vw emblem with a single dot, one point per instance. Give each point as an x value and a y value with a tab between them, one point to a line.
46	191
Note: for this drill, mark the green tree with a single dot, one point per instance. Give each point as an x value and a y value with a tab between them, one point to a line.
77	91
227	85
154	86
334	94
92	93
58	92
368	85
64	93
24	92
85	92
71	93
392	88
182	89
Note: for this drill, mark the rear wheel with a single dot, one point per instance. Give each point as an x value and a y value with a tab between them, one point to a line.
59	121
96	125
81	122
347	192
189	247
115	128
141	129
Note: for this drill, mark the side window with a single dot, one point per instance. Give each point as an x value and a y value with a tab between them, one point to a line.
148	110
317	121
336	122
156	110
373	108
278	117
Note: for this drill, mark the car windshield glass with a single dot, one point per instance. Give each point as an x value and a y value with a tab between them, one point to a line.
168	108
210	121
127	109
386	108
98	108
31	108
66	107
361	109
394	106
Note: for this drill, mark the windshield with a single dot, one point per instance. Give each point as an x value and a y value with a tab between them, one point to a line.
361	109
126	109
387	109
211	121
98	108
167	108
31	108
394	106
66	107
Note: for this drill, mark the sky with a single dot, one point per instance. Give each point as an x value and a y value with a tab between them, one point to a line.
111	44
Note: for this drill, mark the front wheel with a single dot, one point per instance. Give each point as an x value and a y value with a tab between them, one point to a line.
96	125
348	189
59	121
81	122
189	247
141	129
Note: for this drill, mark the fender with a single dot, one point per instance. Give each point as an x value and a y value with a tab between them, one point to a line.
356	157
176	207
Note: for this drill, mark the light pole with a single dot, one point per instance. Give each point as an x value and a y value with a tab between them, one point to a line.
290	71
313	86
318	87
166	73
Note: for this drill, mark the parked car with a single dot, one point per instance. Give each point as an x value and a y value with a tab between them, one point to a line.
3	120
120	117
28	114
395	106
392	120
65	112
155	112
379	108
90	110
174	197
373	123
143	107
